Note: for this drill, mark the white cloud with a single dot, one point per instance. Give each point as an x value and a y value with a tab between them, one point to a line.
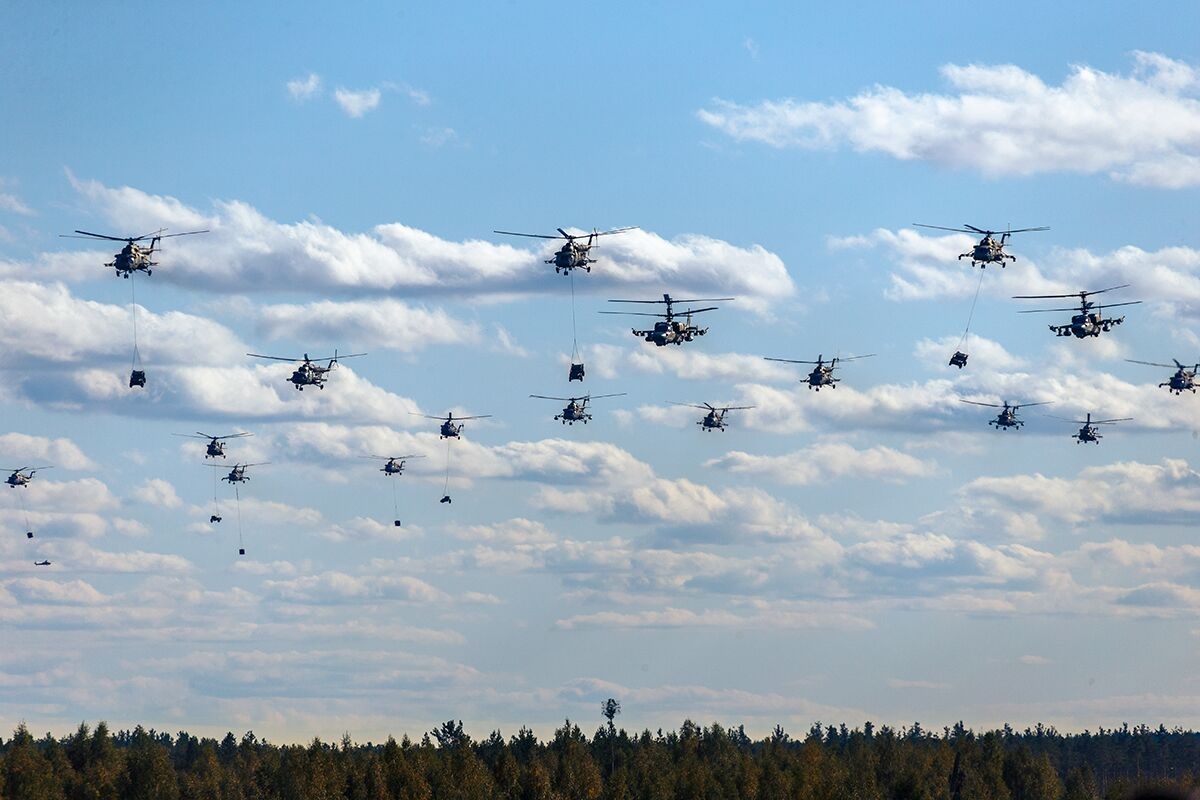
823	461
247	252
392	324
357	103
304	88
439	137
61	452
157	492
1142	128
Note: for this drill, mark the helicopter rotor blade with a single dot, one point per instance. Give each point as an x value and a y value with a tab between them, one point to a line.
90	235
275	358
567	235
854	358
479	416
735	408
1111	421
530	235
615	230
560	399
1046	310
599	396
791	360
1115	305
1154	363
634	313
172	235
1025	230
705	407
977	403
979	230
941	228
1015	406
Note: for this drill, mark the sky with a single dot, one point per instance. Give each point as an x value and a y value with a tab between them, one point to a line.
875	552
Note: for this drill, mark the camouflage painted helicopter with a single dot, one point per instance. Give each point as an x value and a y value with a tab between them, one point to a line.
216	444
1089	319
238	473
1007	418
21	476
715	418
308	373
576	410
1183	380
1090	432
574	253
394	465
133	256
670	330
822	373
989	250
449	430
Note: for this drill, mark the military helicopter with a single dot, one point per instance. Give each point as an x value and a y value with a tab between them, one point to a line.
394	465
1007	418
989	250
715	418
22	476
576	410
133	256
1089	321
1089	432
41	563
671	330
238	473
822	373
1182	381
449	430
574	253
216	444
308	373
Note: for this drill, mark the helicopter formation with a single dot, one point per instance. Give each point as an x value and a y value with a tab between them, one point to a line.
675	325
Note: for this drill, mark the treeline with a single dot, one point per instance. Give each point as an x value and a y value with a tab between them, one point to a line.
829	763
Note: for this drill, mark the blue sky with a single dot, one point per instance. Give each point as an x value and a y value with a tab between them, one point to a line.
875	552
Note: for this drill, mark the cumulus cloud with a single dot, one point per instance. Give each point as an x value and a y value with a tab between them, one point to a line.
36	450
1141	128
304	88
357	103
824	461
247	251
157	492
391	324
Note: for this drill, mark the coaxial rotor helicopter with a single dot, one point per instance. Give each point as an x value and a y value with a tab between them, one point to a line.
574	253
822	373
133	256
394	465
715	418
216	444
670	330
1007	418
1183	380
1089	319
308	373
21	476
238	473
989	250
449	430
576	409
1090	432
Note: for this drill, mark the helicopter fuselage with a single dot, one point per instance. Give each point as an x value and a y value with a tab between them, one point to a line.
574	412
1007	419
451	431
237	475
822	376
133	258
1087	324
18	479
1182	381
988	251
712	421
670	332
1088	433
215	448
308	375
572	256
393	467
